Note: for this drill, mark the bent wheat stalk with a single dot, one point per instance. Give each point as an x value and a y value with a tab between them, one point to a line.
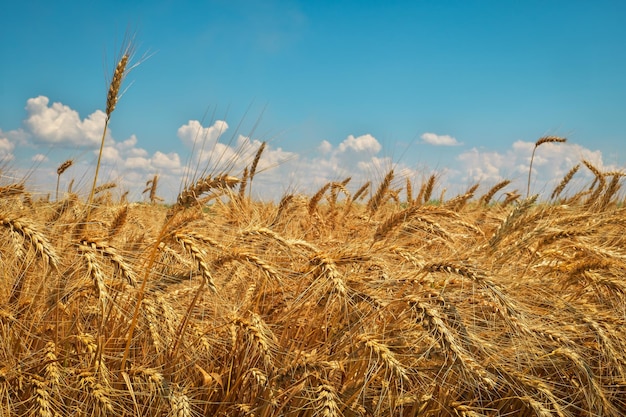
541	141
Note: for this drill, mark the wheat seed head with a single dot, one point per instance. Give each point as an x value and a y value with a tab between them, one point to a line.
550	139
64	166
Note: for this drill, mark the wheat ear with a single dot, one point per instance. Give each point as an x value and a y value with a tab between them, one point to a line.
243	184
313	202
566	179
458	202
374	203
541	141
432	321
190	194
393	221
611	190
37	240
326	401
385	354
485	199
151	189
426	190
112	97
256	159
42	397
60	170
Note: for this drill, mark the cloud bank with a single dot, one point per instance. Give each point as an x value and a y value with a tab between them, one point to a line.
206	150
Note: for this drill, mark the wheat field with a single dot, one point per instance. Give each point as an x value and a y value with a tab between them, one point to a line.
372	303
362	299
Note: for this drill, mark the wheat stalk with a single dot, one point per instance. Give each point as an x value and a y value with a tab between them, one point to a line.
256	159
190	194
374	203
31	234
43	398
458	202
11	190
315	199
426	190
383	352
111	253
151	189
485	199
118	222
433	322
60	170
101	394
541	141
179	404
198	255
326	401
393	221
566	179
112	97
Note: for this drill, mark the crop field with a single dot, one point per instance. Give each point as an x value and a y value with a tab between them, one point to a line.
362	299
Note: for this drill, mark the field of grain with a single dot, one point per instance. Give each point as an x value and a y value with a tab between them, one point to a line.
373	303
362	299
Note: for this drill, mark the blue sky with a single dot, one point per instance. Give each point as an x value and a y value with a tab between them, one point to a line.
344	88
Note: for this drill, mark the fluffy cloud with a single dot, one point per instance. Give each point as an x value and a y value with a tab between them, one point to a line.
439	140
195	136
59	124
551	162
356	157
364	143
110	154
170	161
279	170
138	162
6	150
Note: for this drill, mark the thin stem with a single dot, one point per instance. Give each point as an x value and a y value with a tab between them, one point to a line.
95	177
530	169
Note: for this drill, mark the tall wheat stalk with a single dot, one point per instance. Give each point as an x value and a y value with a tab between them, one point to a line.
541	141
121	71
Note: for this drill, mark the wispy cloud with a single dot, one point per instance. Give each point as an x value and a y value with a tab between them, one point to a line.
6	149
39	158
439	140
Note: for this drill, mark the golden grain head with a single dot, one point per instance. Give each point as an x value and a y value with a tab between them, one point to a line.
550	139
64	166
116	83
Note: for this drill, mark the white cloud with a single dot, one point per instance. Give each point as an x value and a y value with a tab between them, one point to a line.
59	124
325	147
364	143
484	166
110	155
551	162
39	158
137	152
170	161
440	140
138	162
194	135
128	144
278	170
6	150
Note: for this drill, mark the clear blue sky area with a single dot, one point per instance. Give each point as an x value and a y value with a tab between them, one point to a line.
484	74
